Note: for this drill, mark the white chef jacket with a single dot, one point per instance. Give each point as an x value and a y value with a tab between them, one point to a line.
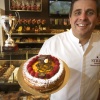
84	64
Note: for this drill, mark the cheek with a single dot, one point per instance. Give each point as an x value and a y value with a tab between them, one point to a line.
73	21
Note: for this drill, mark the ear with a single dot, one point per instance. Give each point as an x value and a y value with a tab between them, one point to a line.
98	20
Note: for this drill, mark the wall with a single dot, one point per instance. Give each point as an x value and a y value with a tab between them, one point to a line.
2	4
2	8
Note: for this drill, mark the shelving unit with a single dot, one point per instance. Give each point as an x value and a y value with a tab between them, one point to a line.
26	50
8	87
25	5
30	40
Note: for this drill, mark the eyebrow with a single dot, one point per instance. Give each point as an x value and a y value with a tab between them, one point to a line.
86	10
76	10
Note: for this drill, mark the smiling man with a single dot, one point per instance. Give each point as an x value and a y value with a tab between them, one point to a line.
83	19
79	48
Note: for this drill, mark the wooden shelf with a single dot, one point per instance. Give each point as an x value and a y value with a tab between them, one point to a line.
14	34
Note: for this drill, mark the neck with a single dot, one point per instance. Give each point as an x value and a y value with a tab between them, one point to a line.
83	41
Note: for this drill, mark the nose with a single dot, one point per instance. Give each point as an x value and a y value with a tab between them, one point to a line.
83	16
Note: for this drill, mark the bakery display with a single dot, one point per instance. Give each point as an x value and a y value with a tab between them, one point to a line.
43	73
8	72
3	68
10	95
5	72
13	77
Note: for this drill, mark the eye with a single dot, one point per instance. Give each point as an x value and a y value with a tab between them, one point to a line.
76	13
89	13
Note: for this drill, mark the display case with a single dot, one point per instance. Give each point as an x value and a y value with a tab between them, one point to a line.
25	5
30	40
27	48
10	62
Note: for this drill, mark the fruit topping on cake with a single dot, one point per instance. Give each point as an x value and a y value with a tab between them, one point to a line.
44	66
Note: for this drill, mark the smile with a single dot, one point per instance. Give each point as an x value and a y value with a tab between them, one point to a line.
81	25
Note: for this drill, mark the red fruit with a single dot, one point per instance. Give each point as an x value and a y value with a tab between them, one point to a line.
33	60
32	73
30	63
57	62
51	74
42	77
55	70
29	69
56	66
55	59
36	74
37	57
47	76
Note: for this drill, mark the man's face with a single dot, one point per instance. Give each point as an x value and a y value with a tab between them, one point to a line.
83	18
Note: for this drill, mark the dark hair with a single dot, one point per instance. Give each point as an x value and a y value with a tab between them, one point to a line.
97	3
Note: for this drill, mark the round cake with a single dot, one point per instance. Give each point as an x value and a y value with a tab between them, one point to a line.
44	73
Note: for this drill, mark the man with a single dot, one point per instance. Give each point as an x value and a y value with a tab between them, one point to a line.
79	48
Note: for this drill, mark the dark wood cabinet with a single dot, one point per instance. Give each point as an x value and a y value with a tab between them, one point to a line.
99	95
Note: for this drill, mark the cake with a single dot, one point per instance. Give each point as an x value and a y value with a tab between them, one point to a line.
43	73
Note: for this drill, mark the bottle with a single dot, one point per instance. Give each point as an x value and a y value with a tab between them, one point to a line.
28	25
43	25
39	25
24	25
33	24
36	29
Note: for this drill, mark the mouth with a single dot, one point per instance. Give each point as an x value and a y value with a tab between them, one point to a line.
82	25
